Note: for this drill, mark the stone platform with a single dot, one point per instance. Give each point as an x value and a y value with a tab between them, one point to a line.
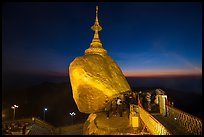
99	124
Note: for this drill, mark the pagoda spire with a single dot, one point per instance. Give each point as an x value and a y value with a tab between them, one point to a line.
96	45
96	28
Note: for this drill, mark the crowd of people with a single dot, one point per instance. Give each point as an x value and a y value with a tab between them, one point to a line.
120	104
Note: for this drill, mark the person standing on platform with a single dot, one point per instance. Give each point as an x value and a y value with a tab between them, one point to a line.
119	104
114	106
108	109
131	99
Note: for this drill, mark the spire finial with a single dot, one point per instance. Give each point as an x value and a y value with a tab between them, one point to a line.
96	12
96	26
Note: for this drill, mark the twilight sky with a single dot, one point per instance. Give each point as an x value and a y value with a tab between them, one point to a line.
145	39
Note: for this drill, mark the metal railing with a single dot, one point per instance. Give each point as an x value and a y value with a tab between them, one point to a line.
191	123
152	124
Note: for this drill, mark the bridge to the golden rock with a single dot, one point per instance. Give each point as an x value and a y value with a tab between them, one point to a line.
172	122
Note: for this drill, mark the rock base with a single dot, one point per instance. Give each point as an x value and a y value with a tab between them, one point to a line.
99	124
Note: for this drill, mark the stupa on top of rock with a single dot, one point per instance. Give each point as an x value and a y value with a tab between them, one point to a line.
95	77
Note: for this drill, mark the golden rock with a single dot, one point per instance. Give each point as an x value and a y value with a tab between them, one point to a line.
95	77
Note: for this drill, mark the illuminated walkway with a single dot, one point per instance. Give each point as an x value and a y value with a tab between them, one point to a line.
38	130
170	120
171	125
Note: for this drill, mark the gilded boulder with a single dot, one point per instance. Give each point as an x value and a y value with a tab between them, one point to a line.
95	79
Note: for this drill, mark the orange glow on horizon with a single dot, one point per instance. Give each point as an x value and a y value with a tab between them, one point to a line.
161	73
